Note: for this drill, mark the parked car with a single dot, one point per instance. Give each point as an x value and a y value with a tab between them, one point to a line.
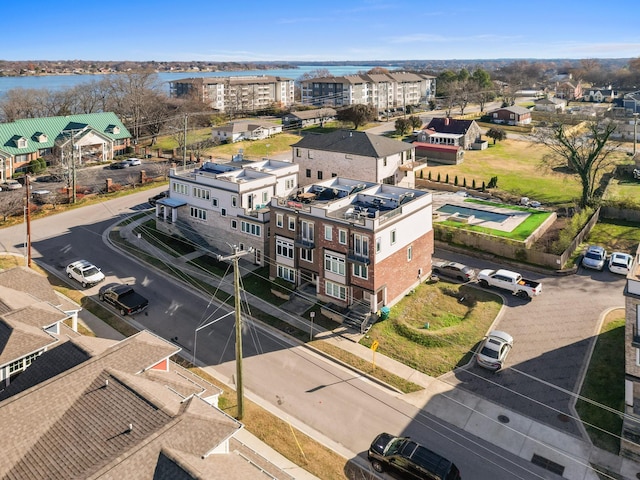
405	458
11	184
494	350
595	257
153	200
85	272
455	270
620	263
119	165
132	162
124	298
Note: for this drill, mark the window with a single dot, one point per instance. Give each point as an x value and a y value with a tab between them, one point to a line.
279	220
328	232
234	201
393	237
203	193
234	224
265	197
198	213
307	230
288	184
342	236
287	273
310	154
409	253
306	255
223	212
251	228
181	188
384	162
298	154
284	248
335	290
378	244
214	202
360	271
292	223
319	174
334	264
361	245
333	175
308	173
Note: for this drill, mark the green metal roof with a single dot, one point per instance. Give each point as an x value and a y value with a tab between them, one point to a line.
53	127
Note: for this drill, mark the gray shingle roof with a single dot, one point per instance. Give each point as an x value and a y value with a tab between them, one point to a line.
354	143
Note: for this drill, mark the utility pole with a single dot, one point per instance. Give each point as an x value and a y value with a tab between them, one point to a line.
73	169
184	144
237	253
28	214
635	134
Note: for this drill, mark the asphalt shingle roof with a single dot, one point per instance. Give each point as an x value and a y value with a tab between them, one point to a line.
354	143
449	125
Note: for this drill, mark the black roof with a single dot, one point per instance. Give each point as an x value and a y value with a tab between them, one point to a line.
450	125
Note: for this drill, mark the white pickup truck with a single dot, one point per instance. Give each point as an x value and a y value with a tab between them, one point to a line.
512	281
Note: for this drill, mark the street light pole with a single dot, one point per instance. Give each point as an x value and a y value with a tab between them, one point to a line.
635	133
311	315
184	145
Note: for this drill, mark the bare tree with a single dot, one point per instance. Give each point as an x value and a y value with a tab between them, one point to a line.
12	203
586	153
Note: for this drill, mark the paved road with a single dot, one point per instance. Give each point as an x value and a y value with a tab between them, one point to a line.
342	408
552	340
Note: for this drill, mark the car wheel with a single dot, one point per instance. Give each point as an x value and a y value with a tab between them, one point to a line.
69	275
484	283
84	284
522	294
122	312
461	278
101	298
377	466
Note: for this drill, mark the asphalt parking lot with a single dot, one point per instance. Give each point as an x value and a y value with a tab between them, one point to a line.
552	334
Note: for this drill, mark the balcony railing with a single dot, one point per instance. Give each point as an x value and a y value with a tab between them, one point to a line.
303	242
358	257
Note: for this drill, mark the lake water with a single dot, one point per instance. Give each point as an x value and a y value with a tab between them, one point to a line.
59	82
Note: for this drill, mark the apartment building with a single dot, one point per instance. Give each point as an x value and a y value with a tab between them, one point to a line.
384	91
222	204
347	153
357	242
236	94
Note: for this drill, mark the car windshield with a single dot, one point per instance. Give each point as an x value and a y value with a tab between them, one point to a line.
489	352
393	446
90	271
594	255
620	264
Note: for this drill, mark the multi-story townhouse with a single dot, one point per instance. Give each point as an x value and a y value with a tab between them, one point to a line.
383	91
244	93
357	242
347	153
223	204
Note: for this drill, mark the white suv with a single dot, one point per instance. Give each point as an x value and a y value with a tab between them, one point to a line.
85	272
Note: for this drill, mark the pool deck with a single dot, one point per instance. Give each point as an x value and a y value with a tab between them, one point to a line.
514	218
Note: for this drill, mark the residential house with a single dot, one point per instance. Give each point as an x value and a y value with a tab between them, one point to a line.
347	153
553	105
307	118
443	154
451	131
599	95
236	94
382	91
32	320
569	90
93	136
631	102
223	204
629	444
511	115
237	131
360	244
123	410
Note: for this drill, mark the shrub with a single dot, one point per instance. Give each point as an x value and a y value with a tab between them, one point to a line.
438	176
455	180
473	183
446	179
429	175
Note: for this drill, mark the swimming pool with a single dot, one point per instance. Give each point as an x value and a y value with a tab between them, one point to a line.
484	215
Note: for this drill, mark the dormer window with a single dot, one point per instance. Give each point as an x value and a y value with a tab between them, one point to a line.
21	142
42	137
113	129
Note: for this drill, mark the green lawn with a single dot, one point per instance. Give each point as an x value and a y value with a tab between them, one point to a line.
615	235
604	386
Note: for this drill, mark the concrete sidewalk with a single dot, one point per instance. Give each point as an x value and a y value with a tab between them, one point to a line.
511	431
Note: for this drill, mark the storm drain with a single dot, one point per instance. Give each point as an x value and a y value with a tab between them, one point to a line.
547	464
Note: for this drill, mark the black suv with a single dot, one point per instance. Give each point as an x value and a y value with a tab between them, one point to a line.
153	200
409	460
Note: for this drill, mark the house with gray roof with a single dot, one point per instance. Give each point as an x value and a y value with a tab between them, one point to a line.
451	131
353	154
31	320
307	118
631	102
546	104
237	131
93	136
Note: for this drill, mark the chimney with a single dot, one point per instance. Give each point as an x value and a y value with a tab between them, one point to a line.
446	121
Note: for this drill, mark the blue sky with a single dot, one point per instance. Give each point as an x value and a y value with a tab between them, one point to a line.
329	30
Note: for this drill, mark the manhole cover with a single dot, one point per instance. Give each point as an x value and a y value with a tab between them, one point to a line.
637	475
503	419
563	418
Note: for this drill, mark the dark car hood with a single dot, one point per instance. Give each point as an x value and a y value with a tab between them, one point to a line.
380	442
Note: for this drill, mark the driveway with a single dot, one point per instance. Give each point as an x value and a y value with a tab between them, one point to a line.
552	334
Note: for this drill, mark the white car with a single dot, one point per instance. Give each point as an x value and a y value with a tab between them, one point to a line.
494	350
11	184
85	272
133	161
620	263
